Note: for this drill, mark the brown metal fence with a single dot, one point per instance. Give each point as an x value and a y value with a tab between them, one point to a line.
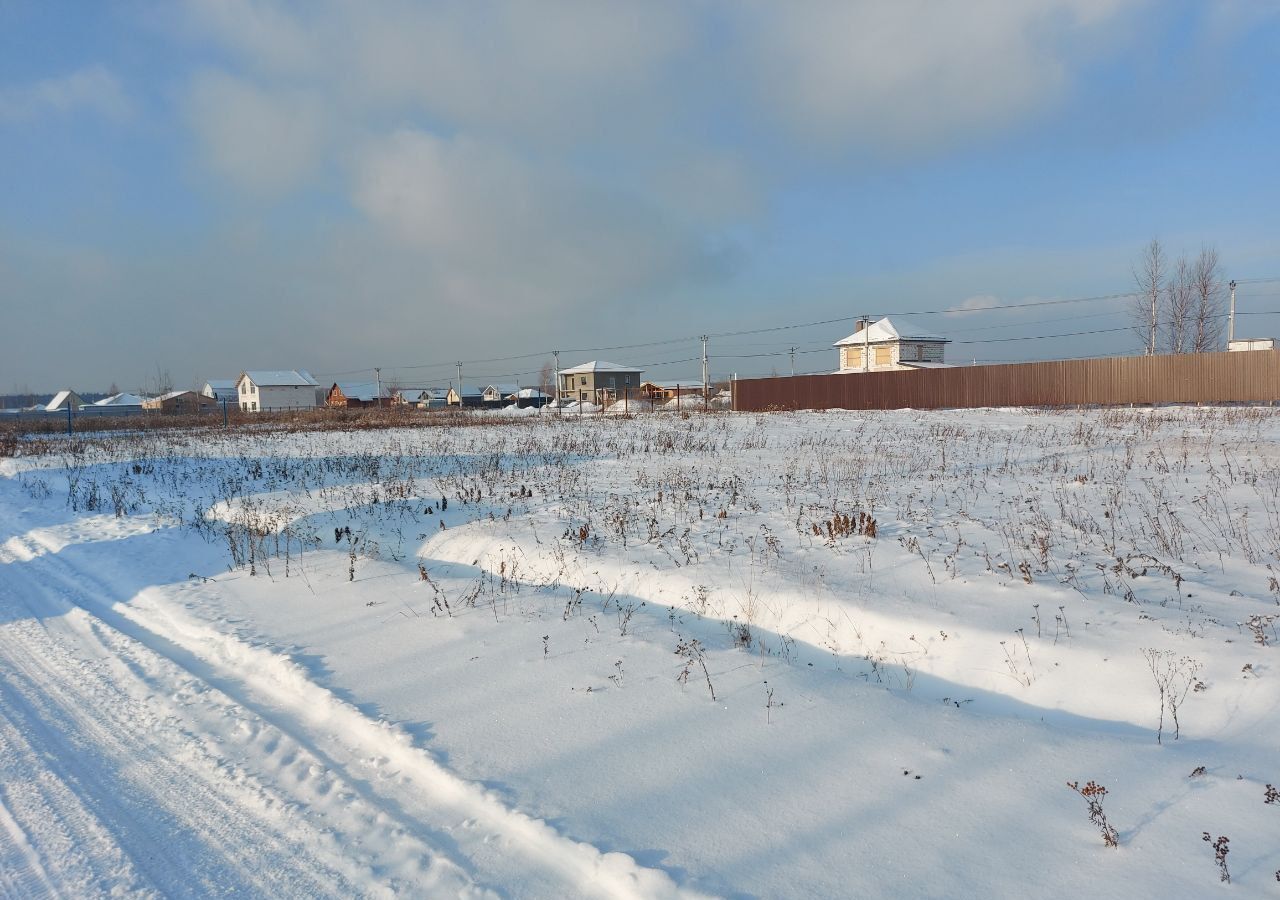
1242	377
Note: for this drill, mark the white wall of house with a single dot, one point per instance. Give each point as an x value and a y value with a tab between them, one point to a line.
256	398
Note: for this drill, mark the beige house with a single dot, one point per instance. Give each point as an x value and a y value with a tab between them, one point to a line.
597	382
889	346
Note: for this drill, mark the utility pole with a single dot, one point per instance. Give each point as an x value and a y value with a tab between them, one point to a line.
705	388
866	343
1231	315
555	392
378	372
460	404
793	361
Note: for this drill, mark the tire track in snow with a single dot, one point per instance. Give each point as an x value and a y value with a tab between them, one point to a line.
374	762
140	778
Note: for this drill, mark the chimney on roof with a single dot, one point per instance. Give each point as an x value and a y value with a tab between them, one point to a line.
862	323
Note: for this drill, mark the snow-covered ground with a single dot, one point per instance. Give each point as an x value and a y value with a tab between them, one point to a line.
786	655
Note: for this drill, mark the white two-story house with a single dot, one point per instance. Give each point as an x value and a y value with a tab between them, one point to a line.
261	390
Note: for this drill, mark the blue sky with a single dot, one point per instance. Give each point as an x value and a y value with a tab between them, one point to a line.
203	187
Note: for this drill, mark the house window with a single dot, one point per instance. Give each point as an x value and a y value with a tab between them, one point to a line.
884	356
582	381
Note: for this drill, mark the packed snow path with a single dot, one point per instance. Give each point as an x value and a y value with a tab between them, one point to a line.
161	758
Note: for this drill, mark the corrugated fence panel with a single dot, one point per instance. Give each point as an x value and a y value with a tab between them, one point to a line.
1252	376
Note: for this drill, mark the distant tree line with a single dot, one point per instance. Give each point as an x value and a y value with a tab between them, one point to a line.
1178	307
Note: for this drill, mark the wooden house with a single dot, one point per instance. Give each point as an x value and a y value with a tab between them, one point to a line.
891	345
356	395
661	391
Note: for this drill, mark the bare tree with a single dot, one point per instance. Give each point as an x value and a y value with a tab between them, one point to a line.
1148	277
1207	302
546	377
393	390
1179	308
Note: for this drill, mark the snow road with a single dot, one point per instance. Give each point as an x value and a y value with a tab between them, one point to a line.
146	754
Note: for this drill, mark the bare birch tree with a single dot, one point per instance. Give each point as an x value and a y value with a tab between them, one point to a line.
1207	302
1179	308
1145	305
546	377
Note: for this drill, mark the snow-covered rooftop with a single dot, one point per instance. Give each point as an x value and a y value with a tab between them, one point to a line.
121	399
600	366
280	377
364	391
503	390
62	398
887	330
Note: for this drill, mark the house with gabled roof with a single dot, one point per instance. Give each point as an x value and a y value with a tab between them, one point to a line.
529	396
496	394
180	403
116	401
891	345
357	394
63	399
221	389
597	382
469	395
259	390
427	398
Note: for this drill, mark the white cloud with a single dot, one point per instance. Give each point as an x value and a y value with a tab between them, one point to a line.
552	68
974	305
909	74
93	89
502	234
261	140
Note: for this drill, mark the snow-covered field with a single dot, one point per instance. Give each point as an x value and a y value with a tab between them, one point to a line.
787	655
